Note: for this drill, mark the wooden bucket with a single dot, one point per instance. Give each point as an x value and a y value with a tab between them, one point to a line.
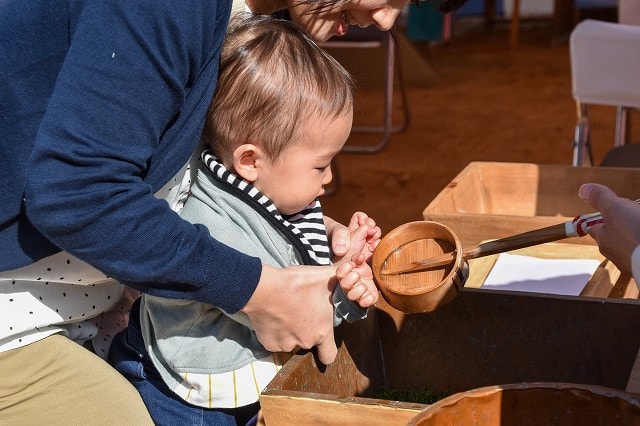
420	291
534	404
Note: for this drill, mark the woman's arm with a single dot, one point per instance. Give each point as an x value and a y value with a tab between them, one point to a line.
125	115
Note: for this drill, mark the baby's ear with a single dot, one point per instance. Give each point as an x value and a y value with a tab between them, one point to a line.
245	158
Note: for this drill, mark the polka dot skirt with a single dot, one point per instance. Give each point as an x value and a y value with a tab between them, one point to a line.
62	294
56	294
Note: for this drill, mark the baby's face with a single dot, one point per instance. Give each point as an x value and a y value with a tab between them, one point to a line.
303	169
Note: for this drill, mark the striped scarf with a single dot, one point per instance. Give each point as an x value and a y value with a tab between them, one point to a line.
307	225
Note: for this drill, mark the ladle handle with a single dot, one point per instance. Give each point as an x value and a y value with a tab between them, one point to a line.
514	242
572	228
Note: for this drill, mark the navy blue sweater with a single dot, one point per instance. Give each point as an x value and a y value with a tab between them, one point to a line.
101	103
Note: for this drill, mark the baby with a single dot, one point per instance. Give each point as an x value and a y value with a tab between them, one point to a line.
282	111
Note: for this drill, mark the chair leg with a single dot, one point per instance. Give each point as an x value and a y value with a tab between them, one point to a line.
582	144
404	98
582	155
387	129
622	128
514	30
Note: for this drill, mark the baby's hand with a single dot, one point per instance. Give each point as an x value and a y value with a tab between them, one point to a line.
365	237
356	280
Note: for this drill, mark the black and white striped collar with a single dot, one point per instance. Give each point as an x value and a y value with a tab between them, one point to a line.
307	225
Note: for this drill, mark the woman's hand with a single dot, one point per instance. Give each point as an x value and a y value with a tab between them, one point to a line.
291	308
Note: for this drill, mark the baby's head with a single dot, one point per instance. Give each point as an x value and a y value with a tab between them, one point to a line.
273	80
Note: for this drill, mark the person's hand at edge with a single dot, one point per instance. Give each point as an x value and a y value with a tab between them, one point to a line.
291	308
619	235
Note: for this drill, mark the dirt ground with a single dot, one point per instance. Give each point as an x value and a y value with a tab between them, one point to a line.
479	100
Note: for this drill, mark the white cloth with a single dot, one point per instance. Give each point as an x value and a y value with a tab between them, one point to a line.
233	389
635	265
531	274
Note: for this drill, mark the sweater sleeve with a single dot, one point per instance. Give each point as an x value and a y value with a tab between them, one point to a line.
118	100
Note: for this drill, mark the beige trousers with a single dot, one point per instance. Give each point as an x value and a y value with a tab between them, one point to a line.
57	382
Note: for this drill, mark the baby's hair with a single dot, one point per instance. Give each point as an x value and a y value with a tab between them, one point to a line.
272	78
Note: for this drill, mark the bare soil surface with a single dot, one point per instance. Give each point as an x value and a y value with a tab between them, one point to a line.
479	100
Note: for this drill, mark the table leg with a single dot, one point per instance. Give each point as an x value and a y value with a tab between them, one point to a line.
489	12
563	19
515	24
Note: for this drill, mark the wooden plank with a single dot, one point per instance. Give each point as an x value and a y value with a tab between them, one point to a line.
625	288
523	189
303	409
358	369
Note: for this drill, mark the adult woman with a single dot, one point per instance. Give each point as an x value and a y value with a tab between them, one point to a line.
102	106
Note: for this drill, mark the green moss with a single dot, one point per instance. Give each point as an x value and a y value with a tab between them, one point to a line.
420	396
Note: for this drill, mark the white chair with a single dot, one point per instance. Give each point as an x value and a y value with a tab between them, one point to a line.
605	70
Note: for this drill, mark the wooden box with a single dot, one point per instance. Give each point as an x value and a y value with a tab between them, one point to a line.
489	200
481	338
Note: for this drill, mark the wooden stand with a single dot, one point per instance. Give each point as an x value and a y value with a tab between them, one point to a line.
482	338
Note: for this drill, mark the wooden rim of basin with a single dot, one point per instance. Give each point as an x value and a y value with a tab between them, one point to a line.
533	404
419	291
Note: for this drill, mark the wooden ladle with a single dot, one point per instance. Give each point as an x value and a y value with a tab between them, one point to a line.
573	228
423	285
